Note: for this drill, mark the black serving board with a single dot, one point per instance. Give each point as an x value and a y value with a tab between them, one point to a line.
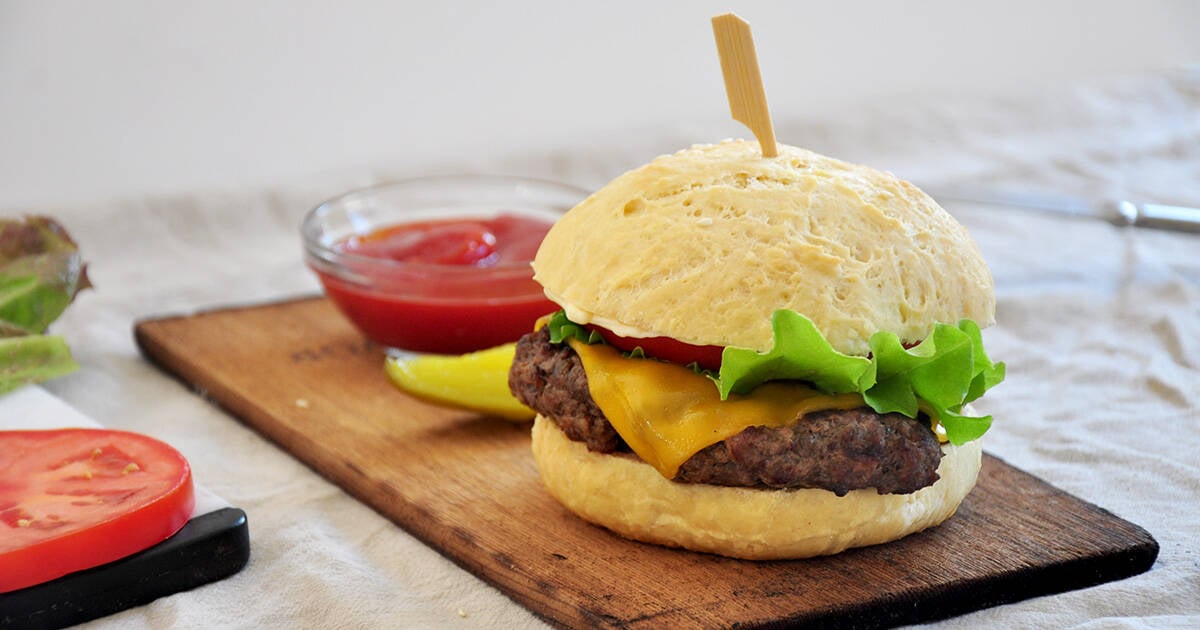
208	548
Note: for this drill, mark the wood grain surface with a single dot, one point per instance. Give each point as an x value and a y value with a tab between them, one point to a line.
467	486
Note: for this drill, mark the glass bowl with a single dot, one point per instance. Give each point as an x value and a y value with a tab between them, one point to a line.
435	306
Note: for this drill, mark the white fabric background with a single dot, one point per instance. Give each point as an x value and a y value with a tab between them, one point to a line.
1100	328
135	97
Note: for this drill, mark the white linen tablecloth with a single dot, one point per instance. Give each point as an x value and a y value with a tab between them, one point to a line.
1099	325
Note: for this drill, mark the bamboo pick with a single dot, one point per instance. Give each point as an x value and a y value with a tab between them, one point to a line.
743	82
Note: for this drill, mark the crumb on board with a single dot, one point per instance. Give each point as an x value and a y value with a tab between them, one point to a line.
462	613
302	403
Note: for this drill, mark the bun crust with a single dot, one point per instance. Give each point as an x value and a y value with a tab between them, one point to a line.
854	249
632	499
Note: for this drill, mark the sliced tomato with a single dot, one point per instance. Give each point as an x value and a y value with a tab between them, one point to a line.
666	348
72	499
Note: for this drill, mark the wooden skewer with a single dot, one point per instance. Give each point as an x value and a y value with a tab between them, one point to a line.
743	82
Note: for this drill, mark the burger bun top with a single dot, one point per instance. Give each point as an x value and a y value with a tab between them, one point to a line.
705	244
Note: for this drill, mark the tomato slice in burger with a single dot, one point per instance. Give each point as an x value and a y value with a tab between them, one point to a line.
666	348
72	499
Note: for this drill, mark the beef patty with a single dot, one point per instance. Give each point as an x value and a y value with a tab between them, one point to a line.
836	450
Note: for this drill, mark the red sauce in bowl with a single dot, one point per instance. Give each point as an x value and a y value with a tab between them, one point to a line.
445	286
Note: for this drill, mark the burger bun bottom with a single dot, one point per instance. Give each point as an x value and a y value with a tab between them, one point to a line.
629	497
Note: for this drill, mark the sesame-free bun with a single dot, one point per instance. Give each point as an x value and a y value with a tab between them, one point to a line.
631	498
703	245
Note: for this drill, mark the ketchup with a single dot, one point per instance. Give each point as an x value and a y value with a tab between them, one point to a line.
461	285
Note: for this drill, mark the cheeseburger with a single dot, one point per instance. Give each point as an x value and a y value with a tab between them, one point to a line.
761	358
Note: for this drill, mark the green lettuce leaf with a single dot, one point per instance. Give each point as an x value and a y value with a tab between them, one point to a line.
948	369
32	359
562	328
800	353
40	273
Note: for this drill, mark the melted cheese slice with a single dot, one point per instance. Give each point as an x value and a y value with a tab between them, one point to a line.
667	413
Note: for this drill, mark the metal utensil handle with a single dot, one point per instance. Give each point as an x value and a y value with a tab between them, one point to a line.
1161	216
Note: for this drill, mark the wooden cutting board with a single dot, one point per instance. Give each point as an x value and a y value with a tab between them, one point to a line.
467	486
